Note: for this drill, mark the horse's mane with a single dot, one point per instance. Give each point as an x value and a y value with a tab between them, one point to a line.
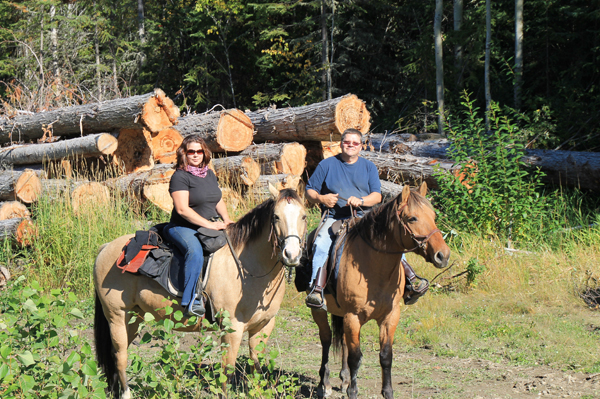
375	223
251	225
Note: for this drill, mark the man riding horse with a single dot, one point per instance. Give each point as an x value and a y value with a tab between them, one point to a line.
338	185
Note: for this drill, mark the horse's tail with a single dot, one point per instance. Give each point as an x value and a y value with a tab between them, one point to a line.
337	328
105	349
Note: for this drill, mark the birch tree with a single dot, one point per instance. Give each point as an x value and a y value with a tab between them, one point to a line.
439	65
518	52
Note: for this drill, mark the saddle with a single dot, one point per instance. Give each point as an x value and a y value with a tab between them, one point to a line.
149	255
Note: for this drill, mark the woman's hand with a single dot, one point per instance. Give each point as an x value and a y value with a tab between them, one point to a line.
218	226
228	222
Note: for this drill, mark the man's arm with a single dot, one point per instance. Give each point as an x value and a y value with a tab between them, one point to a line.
329	200
369	200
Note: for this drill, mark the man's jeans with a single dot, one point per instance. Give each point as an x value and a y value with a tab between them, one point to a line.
322	247
186	240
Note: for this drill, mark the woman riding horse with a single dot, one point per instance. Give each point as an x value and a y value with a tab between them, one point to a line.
251	290
197	201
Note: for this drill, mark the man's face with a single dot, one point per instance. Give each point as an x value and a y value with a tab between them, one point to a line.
351	145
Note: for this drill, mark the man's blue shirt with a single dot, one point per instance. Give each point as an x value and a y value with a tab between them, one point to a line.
334	176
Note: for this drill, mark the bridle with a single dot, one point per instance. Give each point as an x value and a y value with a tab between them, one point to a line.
420	240
279	242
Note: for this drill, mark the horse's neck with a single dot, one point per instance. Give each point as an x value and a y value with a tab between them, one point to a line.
258	257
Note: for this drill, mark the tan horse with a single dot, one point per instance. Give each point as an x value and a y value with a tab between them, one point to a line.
266	237
370	284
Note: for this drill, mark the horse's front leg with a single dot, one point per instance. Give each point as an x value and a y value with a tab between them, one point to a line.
345	372
257	336
233	341
387	328
320	317
352	335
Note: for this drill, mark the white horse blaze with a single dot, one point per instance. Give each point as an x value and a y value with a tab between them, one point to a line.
291	248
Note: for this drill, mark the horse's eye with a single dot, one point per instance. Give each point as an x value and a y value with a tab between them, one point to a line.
304	217
275	217
412	219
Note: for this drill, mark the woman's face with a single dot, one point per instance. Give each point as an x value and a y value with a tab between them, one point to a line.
194	154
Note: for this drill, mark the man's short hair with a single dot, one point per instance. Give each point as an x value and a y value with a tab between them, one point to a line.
350	131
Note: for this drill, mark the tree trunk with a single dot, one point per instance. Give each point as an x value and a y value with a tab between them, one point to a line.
316	122
439	63
287	158
22	230
260	189
236	170
153	110
24	185
569	168
406	169
488	43
81	193
324	50
13	209
87	146
229	130
390	190
518	52
458	50
133	152
54	41
164	145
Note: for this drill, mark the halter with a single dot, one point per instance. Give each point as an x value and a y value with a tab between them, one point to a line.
420	240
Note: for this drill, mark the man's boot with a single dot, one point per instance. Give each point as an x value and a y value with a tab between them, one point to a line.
415	286
315	299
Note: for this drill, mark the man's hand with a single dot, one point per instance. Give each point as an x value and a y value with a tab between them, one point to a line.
329	200
355	202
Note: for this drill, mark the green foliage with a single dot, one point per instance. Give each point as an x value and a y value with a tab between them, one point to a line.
43	352
474	269
494	194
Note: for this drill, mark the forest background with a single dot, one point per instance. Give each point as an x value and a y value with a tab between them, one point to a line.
252	54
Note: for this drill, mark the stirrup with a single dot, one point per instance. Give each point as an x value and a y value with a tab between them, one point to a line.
412	295
315	298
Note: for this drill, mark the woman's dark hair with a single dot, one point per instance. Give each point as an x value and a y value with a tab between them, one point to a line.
182	162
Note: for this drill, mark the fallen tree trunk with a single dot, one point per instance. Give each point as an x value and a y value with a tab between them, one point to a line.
22	230
390	190
229	130
316	122
13	209
153	110
24	185
87	146
134	153
570	168
406	169
286	158
236	170
164	145
81	193
260	189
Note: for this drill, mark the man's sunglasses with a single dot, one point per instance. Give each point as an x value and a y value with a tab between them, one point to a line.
192	152
351	143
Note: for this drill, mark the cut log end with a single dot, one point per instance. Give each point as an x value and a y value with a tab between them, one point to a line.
330	148
235	130
89	195
13	209
154	116
158	194
28	187
133	153
26	233
351	113
165	144
107	144
170	109
293	159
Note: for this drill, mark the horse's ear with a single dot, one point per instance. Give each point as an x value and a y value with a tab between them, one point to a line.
423	189
274	192
405	193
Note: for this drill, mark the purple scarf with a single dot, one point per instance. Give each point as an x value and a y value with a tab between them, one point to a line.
196	171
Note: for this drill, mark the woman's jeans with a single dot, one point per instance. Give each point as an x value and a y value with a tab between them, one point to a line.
186	240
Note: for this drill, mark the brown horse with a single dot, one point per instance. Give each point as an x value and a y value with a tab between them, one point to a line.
370	283
266	237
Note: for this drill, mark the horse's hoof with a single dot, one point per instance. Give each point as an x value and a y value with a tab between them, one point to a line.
324	393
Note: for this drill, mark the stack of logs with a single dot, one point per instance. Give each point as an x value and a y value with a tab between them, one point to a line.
137	138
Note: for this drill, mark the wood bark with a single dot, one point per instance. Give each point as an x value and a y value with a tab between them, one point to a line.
4	276
439	64
518	52
287	158
406	169
229	130
322	121
260	189
390	190
134	183
22	230
153	110
13	209
87	146
236	170
569	168
23	186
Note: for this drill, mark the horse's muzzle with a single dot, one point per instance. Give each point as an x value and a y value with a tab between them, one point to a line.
440	259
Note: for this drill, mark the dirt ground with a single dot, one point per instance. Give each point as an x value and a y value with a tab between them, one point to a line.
421	374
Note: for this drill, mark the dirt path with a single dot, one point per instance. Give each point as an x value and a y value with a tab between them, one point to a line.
421	374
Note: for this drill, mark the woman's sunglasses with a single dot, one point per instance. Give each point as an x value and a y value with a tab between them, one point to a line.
192	152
